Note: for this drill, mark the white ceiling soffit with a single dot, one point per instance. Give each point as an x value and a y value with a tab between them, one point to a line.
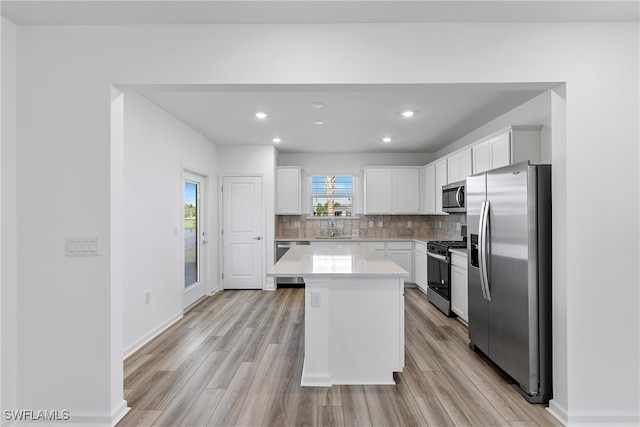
76	12
355	118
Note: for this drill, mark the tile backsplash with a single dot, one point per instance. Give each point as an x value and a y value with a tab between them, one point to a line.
420	227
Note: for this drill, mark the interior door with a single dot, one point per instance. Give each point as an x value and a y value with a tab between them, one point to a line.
194	238
242	233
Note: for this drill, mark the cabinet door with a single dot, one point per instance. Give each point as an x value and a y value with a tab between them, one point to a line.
459	166
288	191
430	188
459	295
500	149
465	164
453	168
406	191
441	179
402	257
378	191
481	157
420	266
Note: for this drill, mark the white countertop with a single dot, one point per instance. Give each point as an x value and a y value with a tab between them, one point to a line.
335	260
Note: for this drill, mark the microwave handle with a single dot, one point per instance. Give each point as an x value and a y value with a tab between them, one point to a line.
458	199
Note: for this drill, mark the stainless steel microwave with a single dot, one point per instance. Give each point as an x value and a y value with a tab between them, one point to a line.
453	197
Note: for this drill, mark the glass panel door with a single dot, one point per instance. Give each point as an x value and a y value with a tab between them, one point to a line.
191	233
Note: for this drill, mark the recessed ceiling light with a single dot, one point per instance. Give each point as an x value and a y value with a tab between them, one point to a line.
407	113
386	139
317	104
277	140
318	122
261	115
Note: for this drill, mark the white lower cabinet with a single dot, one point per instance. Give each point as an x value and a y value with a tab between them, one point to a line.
459	286
420	266
402	254
375	246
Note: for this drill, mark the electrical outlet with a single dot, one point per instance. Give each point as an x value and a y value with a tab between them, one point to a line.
458	226
439	224
147	297
380	224
315	299
409	224
370	224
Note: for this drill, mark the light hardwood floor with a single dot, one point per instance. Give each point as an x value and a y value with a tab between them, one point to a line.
236	359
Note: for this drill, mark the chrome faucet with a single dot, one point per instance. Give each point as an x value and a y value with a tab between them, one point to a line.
332	229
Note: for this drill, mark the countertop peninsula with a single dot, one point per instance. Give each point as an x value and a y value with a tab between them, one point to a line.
335	260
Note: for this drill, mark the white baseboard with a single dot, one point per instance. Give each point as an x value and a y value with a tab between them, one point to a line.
558	411
152	334
593	418
119	412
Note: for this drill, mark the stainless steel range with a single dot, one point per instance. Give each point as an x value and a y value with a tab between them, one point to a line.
439	273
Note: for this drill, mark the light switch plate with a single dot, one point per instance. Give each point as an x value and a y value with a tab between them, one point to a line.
82	246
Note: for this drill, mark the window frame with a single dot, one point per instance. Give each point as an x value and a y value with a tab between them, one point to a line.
348	212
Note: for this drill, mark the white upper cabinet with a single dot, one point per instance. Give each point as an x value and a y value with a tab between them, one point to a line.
288	188
512	145
377	192
481	157
407	191
441	179
459	166
429	189
392	190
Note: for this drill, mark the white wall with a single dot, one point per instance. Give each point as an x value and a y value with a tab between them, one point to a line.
157	147
350	163
255	160
63	180
8	260
536	111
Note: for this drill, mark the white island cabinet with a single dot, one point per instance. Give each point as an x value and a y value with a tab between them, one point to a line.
354	313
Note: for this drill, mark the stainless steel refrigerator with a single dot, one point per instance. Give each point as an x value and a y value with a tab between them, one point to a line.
509	242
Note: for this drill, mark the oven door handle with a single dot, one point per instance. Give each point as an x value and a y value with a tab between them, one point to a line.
437	256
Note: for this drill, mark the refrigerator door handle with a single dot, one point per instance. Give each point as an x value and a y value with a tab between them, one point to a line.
484	230
481	251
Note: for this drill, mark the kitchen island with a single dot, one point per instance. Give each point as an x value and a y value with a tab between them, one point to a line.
354	313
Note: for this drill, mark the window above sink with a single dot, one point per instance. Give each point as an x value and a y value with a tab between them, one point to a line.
332	196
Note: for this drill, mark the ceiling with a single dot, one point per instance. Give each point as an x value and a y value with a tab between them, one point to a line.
355	117
76	12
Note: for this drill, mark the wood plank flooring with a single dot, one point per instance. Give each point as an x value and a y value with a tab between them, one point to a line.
236	360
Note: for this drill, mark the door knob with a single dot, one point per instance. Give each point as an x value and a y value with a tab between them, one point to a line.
257	238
